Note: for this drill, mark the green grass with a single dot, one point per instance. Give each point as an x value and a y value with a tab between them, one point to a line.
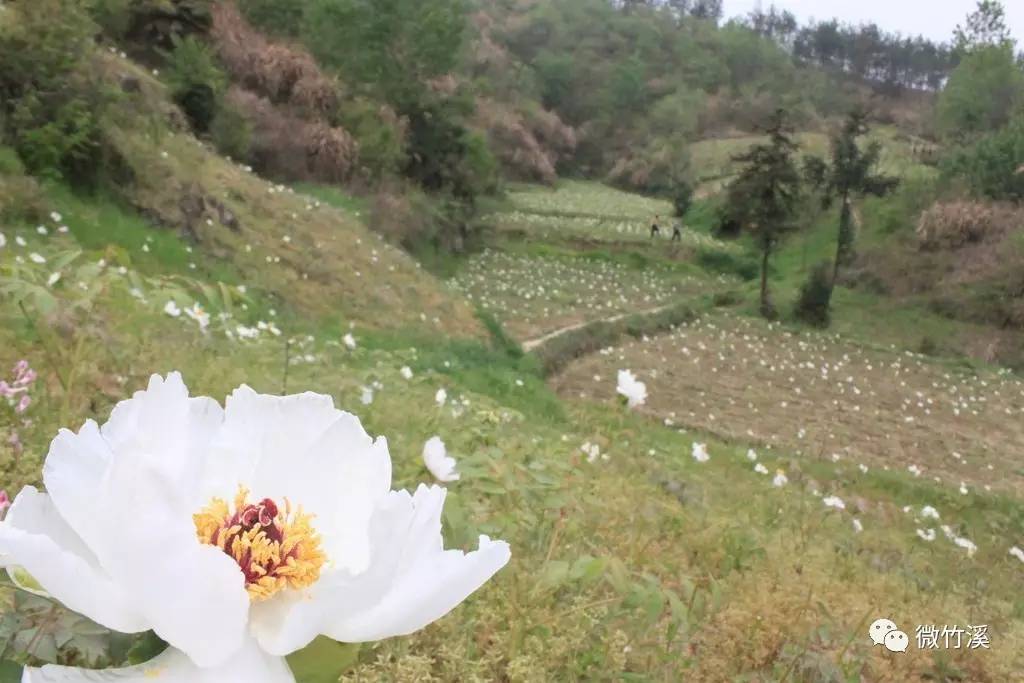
334	196
99	222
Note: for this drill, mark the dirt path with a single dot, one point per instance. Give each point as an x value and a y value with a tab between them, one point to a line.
531	344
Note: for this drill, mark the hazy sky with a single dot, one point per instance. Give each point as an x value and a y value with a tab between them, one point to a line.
933	19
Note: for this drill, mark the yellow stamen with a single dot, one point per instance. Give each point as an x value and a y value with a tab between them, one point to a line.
274	549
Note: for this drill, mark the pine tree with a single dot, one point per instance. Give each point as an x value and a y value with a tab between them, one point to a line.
850	175
764	196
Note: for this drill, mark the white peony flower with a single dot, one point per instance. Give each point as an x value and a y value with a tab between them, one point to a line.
634	391
145	520
699	452
437	460
966	545
834	502
196	312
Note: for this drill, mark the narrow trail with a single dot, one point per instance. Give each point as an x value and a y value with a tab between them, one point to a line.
532	344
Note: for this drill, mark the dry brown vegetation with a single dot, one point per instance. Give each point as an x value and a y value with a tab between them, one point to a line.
528	144
287	147
288	101
953	225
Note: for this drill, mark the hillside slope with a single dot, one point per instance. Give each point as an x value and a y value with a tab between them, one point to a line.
316	258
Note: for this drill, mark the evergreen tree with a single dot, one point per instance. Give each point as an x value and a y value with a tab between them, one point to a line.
765	193
850	175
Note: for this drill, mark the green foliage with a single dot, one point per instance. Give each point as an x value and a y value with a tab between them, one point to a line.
113	16
724	262
982	93
278	17
763	198
991	166
682	198
986	26
196	81
814	303
381	144
50	106
359	38
231	132
850	175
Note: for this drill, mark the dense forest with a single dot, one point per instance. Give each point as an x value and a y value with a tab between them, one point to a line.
436	103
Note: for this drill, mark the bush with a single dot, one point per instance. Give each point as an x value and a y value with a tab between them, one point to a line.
991	165
280	17
953	225
814	303
49	104
231	133
682	198
113	16
196	82
728	263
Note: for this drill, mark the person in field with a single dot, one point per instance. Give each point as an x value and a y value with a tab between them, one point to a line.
655	230
677	231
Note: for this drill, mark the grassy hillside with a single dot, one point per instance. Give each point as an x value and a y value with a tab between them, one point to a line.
630	559
778	488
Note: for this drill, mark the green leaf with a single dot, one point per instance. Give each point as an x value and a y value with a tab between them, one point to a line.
323	661
64	259
588	569
554	574
10	672
146	647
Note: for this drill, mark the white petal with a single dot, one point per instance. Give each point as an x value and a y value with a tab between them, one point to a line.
303	449
35	537
410	583
422	582
160	429
128	490
194	595
249	665
164	429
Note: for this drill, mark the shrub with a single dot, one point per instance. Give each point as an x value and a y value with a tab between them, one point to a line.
728	263
284	74
274	16
49	104
813	306
952	225
195	81
113	16
285	146
991	165
231	132
682	198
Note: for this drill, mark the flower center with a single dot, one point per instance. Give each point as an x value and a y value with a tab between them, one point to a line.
275	549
